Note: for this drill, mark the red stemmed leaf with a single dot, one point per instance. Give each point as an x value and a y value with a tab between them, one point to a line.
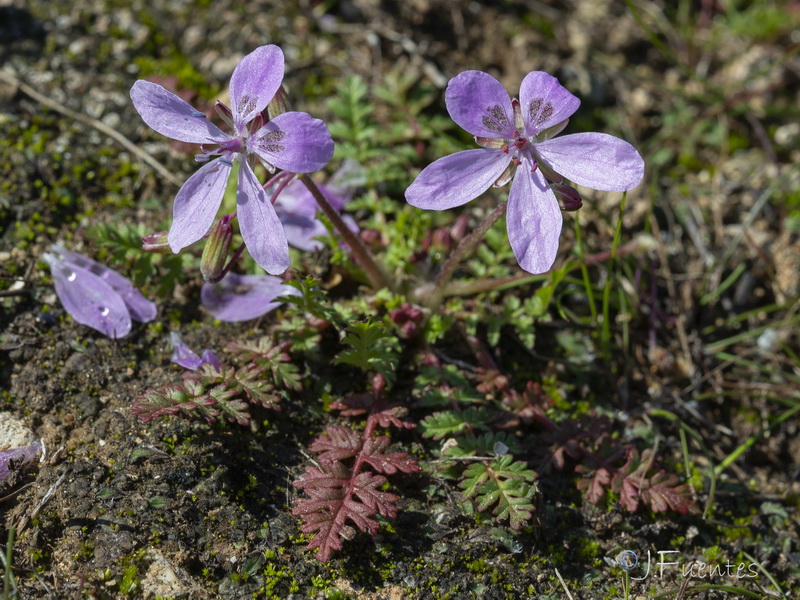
335	496
337	443
387	463
338	494
593	483
639	479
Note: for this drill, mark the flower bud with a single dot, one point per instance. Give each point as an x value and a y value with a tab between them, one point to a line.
408	318
372	238
378	386
156	242
568	197
225	113
215	253
459	229
279	103
442	240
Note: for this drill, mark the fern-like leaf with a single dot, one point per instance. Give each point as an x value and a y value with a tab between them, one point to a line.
338	494
271	357
504	484
371	348
259	389
171	400
453	422
205	393
641	479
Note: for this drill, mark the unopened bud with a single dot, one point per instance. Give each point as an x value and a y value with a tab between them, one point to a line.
568	197
408	318
225	113
279	103
378	386
459	229
372	238
442	240
408	330
215	253
156	243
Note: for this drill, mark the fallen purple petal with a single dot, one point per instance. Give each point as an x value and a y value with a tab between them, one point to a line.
20	456
184	356
95	295
244	297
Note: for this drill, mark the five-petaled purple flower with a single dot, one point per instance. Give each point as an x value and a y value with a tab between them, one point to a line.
516	141
292	141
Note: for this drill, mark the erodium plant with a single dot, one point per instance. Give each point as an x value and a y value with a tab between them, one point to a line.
291	141
474	412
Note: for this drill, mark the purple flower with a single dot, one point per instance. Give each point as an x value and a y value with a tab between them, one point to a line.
244	297
516	139
297	208
184	356
95	295
292	141
24	455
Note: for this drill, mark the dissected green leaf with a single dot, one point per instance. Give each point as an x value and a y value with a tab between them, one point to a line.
372	348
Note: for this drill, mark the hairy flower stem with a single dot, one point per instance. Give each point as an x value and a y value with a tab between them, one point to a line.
464	248
230	264
375	274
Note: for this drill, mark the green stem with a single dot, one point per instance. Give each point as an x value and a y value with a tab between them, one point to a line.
375	274
606	334
465	247
469	288
587	284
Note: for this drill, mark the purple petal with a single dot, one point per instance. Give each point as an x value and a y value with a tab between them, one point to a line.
456	179
197	203
533	220
183	355
25	454
335	199
544	102
89	299
296	201
348	177
167	114
244	297
140	308
254	82
301	231
297	210
260	227
293	141
210	357
595	160
479	104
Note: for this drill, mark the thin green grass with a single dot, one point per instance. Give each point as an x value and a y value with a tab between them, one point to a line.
10	590
605	336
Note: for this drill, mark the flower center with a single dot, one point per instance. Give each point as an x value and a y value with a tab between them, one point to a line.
517	146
